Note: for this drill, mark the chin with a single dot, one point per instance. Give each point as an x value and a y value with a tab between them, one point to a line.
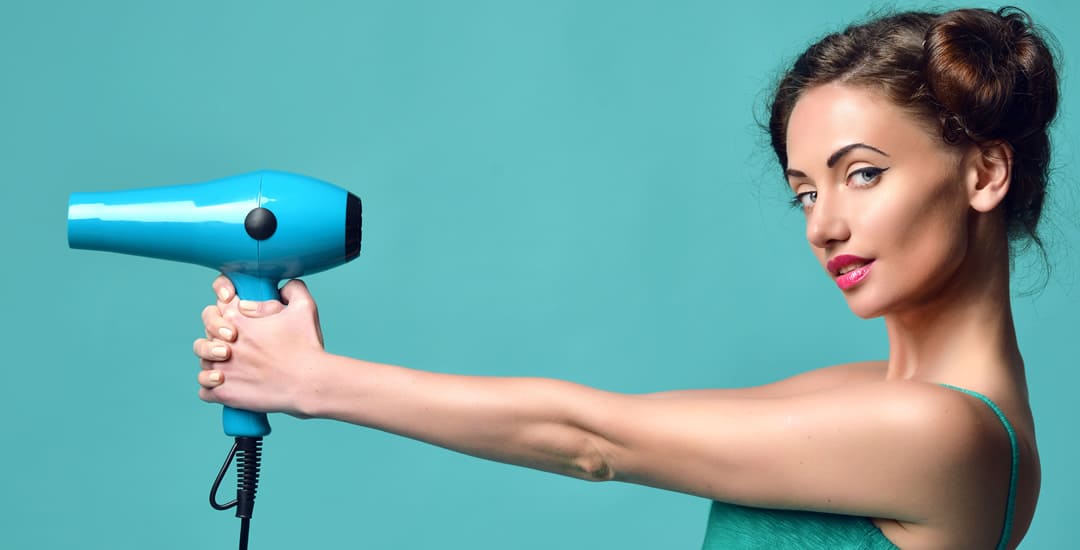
867	313
864	304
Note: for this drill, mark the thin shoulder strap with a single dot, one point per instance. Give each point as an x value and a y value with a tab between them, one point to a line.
1009	505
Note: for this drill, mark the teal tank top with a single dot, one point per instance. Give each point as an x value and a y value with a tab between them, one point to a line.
735	527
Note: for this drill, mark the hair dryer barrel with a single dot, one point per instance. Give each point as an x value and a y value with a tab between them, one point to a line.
266	224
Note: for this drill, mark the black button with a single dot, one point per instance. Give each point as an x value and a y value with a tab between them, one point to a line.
260	223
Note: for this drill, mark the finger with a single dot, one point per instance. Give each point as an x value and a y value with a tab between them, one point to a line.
251	308
223	333
211	379
216	325
223	288
211	350
208	395
209	314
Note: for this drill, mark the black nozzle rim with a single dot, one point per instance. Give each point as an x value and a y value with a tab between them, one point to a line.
353	215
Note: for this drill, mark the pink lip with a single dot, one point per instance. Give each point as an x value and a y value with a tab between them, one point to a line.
852	277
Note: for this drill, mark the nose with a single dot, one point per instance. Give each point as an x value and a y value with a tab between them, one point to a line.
825	224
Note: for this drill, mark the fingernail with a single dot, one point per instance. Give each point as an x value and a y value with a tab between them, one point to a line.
225	333
215	377
248	305
223	293
219	351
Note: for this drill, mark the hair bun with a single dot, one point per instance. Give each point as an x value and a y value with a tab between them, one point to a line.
992	74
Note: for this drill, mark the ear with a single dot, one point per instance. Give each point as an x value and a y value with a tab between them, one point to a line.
989	171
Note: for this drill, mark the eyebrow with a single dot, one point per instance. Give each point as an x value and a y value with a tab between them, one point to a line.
836	156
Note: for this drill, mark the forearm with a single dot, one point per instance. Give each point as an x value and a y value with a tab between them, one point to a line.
534	422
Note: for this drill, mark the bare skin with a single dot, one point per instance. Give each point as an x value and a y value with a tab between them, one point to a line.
880	439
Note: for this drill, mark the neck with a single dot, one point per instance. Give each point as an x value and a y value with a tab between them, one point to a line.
964	335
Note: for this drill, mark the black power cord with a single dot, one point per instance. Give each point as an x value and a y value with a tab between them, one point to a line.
248	454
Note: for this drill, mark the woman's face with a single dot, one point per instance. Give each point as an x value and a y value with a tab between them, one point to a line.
886	208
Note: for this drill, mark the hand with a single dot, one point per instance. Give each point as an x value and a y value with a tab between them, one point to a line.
260	356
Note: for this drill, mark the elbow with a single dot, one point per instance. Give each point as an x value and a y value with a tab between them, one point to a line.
592	465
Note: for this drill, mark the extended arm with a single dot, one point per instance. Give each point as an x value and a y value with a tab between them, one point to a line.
806	451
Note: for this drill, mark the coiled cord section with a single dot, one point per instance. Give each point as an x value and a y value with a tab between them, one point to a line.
248	464
248	454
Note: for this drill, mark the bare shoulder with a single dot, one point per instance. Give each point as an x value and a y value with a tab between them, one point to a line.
929	463
961	459
941	413
940	457
955	428
967	469
925	458
951	422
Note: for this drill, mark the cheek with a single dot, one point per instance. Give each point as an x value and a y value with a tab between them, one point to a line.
923	230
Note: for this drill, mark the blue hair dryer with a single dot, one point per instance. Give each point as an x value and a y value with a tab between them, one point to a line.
257	229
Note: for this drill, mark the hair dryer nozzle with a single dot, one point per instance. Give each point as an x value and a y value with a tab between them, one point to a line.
186	223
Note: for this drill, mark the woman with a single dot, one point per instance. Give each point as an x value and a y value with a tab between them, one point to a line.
917	146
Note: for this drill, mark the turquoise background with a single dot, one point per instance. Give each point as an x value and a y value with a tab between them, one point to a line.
554	188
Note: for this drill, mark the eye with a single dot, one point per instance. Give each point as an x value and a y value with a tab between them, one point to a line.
804	200
865	177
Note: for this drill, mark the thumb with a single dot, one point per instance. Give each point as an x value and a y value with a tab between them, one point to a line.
295	293
251	308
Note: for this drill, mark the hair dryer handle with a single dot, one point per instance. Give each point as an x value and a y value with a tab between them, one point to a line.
238	422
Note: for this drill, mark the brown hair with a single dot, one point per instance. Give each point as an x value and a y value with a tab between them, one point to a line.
970	74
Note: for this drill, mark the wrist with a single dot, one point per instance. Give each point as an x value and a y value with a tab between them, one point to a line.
315	380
